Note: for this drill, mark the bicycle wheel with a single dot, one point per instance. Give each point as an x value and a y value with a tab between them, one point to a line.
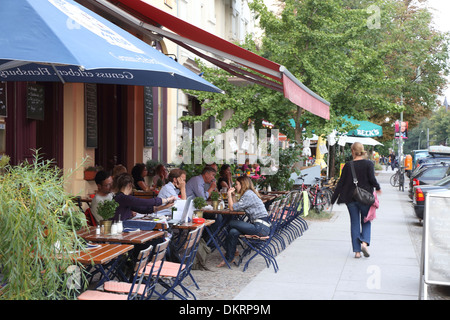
327	202
323	202
394	180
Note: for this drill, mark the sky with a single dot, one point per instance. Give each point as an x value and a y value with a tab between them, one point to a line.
441	10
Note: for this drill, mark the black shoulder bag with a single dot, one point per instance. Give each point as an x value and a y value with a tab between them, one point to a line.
361	195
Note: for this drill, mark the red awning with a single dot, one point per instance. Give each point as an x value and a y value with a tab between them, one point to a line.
188	36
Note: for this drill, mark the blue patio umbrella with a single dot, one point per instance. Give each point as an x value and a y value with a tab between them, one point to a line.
60	40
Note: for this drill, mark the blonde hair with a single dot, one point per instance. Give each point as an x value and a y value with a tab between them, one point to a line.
246	184
358	149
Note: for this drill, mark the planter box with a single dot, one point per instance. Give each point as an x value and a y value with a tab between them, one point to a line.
89	175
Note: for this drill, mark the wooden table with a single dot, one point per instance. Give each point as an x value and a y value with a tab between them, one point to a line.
135	237
105	259
145	194
192	225
224	212
104	254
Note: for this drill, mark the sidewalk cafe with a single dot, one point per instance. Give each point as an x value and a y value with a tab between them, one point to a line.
86	93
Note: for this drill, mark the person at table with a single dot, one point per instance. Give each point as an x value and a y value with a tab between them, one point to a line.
161	175
176	186
256	171
251	203
129	204
225	181
207	185
139	172
246	166
196	185
104	183
118	169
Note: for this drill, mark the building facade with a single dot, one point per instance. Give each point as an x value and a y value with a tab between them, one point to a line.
113	124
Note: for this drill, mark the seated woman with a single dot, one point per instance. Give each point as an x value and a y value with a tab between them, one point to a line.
161	175
225	181
139	172
128	204
254	208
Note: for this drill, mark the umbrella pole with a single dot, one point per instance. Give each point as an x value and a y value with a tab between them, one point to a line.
57	73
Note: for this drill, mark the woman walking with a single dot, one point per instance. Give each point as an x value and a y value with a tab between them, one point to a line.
365	174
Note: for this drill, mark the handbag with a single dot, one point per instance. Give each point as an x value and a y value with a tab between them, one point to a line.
361	195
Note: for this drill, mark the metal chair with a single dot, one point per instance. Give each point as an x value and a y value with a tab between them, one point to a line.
261	245
153	269
115	290
172	274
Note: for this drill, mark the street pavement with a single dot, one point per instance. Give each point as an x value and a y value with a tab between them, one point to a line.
320	265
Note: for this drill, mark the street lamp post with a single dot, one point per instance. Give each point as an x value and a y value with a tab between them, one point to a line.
400	151
418	144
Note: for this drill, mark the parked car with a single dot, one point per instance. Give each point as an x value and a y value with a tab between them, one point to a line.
418	154
428	174
435	154
420	193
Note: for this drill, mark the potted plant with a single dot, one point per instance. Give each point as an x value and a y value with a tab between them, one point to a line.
38	239
215	199
199	203
107	210
90	172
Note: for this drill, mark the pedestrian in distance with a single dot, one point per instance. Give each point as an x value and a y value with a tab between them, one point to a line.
365	174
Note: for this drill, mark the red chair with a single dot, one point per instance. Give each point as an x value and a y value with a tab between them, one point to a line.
90	217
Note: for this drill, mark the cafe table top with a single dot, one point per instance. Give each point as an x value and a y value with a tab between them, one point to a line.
135	237
224	211
103	254
192	225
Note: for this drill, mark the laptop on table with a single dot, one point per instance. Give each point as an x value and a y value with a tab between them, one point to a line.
185	214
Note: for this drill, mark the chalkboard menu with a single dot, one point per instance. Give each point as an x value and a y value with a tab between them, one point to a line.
2	99
148	117
436	251
90	94
35	101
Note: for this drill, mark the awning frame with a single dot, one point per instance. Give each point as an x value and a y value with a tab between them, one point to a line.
283	81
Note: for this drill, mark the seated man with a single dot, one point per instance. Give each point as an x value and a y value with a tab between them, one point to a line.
196	185
176	186
104	183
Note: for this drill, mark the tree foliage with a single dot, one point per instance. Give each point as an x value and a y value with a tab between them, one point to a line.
362	56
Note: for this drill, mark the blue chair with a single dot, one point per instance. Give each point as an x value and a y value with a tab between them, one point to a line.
261	245
115	290
172	275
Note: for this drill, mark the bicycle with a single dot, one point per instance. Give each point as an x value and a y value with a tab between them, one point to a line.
320	197
398	179
394	180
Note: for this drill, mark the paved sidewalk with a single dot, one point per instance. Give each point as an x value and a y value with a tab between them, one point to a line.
321	264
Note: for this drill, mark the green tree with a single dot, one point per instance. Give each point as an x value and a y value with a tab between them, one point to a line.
331	46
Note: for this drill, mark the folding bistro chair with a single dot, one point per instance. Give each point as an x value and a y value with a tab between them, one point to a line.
153	269
172	274
132	290
261	245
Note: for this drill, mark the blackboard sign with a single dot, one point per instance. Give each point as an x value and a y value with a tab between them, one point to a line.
90	94
148	117
35	101
3	99
436	251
